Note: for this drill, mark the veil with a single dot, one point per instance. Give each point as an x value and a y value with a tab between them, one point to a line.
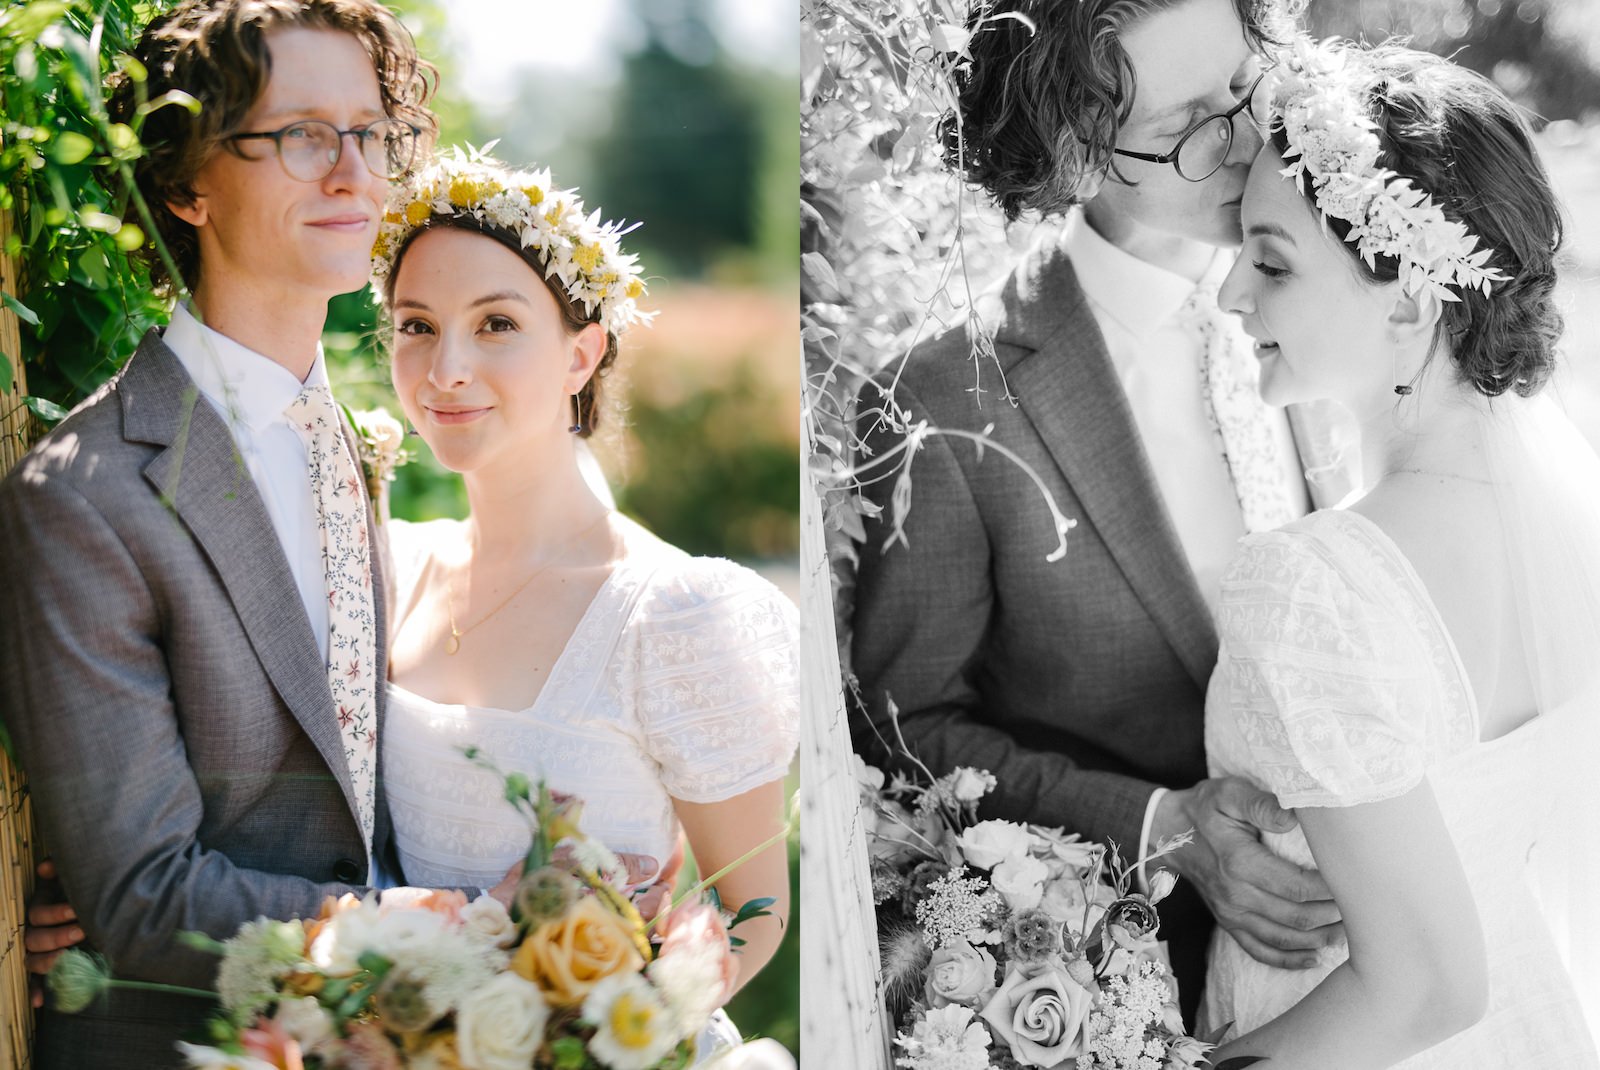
1547	485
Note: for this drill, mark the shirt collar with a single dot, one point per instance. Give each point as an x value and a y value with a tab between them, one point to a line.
241	383
1138	296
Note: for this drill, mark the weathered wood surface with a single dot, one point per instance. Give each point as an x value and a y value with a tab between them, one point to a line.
842	1019
16	835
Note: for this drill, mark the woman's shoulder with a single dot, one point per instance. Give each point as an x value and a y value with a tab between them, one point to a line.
677	583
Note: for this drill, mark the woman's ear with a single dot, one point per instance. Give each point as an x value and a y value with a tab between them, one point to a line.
588	349
1414	317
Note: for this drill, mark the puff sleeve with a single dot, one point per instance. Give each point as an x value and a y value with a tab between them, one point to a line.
717	680
1341	680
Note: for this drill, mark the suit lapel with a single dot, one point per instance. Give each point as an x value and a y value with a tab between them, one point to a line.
1070	392
203	477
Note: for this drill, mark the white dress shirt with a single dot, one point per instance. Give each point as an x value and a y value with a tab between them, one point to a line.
1157	360
251	392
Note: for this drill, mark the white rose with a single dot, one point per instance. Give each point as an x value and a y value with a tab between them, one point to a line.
304	1019
988	843
485	919
868	777
1020	881
339	946
1064	901
970	785
405	934
383	430
500	1026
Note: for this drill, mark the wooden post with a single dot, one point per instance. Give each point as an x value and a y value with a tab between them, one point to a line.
16	811
842	1020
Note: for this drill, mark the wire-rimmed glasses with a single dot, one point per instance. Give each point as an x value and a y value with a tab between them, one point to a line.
1205	145
309	150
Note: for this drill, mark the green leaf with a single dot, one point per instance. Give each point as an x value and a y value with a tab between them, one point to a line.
23	312
27	22
6	377
70	147
753	908
45	409
568	1053
93	265
1239	1062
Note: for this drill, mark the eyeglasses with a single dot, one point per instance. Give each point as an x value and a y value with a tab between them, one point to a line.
310	149
1205	145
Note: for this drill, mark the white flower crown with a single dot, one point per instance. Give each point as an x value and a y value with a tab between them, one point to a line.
1321	105
581	251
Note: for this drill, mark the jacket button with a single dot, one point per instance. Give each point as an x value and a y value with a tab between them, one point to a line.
345	871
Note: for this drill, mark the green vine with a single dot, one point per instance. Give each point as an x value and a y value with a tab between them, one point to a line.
66	179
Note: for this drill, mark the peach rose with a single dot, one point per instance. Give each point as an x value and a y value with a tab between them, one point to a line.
568	956
1042	1017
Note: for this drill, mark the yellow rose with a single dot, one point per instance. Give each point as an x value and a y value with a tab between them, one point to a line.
569	956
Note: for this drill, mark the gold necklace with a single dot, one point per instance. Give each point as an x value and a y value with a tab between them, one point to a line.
453	643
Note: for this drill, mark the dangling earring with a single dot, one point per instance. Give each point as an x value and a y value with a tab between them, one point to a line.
1403	389
577	416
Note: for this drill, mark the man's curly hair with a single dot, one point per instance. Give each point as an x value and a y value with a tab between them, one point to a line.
216	51
1040	107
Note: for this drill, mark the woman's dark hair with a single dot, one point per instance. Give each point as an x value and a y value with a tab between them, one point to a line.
216	51
1040	105
1461	141
573	318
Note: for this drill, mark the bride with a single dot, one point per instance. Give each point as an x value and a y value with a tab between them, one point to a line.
556	635
1416	675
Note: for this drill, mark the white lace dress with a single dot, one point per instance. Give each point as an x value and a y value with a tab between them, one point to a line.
1338	685
679	682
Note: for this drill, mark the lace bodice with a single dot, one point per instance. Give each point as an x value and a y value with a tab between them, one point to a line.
1337	685
679	682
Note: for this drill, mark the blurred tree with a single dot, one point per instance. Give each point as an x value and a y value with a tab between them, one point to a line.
685	142
1544	53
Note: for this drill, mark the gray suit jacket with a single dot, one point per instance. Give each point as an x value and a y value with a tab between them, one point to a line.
167	700
1080	683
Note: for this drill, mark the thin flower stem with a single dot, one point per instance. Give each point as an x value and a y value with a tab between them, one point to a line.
153	986
776	838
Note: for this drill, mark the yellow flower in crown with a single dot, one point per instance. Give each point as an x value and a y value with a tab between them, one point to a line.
580	253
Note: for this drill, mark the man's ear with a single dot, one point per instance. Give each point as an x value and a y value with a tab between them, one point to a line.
194	213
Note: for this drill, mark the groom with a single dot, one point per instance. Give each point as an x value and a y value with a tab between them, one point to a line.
194	651
1080	683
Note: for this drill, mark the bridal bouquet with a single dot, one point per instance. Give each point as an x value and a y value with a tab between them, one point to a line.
1008	944
571	977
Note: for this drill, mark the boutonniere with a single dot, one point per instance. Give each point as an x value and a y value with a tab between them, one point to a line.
381	443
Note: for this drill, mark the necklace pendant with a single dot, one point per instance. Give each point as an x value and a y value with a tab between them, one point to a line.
452	644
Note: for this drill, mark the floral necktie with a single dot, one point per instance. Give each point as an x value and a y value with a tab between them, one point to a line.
347	576
1237	414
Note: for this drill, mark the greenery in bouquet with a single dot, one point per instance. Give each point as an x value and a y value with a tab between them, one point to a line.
570	977
1009	944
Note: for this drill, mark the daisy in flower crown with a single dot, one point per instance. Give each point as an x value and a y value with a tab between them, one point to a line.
580	250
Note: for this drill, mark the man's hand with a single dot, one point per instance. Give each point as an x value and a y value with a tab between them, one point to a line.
52	928
1279	913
